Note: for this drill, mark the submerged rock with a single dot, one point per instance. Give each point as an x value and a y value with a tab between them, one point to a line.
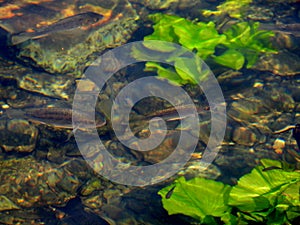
284	63
17	135
58	86
26	182
61	43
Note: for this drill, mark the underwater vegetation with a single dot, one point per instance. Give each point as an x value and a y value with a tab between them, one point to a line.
231	8
238	46
269	194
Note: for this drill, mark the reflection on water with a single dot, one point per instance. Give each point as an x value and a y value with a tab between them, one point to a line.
43	177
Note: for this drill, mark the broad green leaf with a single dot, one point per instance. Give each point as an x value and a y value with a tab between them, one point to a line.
292	195
167	73
156	52
270	163
249	41
190	69
231	58
262	196
246	35
163	27
260	189
251	59
230	219
201	36
243	44
199	198
291	215
160	47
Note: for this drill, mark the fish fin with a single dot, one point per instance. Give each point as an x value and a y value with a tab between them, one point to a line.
25	36
39	36
7	28
16	39
71	134
170	192
15	113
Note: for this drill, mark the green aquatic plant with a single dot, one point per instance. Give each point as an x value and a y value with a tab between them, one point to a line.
233	8
268	195
188	69
202	199
238	46
201	37
244	44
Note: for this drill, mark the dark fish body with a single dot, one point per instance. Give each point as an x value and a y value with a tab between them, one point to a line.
170	114
57	117
170	192
83	21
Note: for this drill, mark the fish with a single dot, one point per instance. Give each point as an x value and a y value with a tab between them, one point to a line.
57	117
170	192
82	21
170	114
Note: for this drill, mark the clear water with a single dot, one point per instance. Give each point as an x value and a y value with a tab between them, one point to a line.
259	101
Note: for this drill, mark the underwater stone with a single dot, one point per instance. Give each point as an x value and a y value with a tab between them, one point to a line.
244	136
18	135
58	53
31	183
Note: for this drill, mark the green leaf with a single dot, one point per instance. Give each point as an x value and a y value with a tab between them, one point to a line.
260	189
190	69
262	196
231	58
270	163
163	27
199	198
243	44
249	41
291	215
167	73
251	59
229	219
201	36
245	35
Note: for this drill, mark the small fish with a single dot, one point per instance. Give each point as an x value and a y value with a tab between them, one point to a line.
169	114
170	192
56	117
83	21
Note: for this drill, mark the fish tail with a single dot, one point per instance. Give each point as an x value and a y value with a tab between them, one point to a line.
20	38
14	113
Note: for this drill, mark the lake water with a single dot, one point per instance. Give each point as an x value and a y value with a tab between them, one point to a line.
60	62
